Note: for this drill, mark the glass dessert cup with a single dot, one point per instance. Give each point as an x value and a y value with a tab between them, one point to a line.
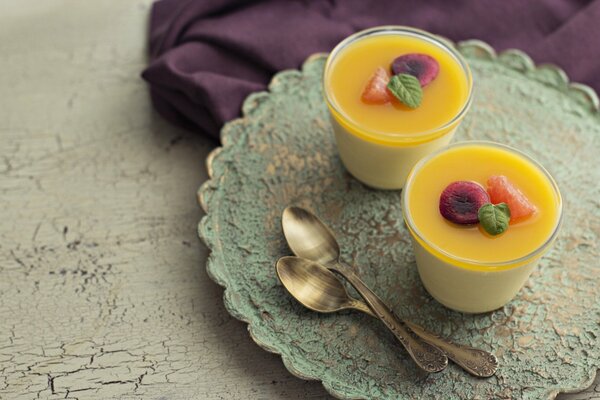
382	158
468	284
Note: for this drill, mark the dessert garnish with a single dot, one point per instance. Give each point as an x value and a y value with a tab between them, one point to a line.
494	218
407	89
467	203
376	92
411	72
501	190
422	66
461	200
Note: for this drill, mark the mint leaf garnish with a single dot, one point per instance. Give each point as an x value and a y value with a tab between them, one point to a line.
407	89
494	218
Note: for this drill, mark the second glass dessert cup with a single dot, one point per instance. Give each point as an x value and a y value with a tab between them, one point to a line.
484	282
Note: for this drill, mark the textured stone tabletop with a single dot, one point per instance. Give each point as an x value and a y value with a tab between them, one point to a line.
103	291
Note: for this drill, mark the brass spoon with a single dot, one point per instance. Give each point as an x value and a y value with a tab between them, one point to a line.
318	289
311	239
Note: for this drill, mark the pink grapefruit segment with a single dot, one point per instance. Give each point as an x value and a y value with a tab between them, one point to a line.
501	190
376	92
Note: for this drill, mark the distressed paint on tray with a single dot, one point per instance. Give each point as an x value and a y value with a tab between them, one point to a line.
282	152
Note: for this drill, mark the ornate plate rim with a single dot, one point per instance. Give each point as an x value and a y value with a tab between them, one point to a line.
513	58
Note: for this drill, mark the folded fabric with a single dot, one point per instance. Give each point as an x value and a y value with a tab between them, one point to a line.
207	56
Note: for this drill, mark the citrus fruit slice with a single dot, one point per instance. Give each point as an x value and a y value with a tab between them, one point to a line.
501	190
376	92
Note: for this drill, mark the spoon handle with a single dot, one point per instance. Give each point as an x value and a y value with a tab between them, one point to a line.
477	362
427	356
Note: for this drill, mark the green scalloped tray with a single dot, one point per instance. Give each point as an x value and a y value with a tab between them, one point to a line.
282	152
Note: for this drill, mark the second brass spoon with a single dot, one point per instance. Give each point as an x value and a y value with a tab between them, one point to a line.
319	289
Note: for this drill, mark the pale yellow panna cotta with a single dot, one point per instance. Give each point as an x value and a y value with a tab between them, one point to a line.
379	143
463	267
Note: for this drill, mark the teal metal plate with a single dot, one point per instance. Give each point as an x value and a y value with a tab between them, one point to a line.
282	152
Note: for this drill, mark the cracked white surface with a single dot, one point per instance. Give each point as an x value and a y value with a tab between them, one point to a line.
103	292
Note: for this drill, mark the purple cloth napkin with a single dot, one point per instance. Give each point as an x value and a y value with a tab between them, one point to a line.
207	56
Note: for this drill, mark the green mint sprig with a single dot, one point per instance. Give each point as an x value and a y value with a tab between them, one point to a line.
494	218
407	89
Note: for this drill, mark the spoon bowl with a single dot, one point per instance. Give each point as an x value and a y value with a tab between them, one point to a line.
315	287
308	237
